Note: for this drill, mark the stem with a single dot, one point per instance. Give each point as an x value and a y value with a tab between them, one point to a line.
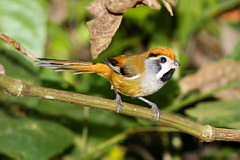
14	44
206	133
85	130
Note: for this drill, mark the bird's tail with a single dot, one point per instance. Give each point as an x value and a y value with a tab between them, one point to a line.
77	66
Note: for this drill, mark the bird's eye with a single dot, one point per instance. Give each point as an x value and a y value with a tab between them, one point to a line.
163	60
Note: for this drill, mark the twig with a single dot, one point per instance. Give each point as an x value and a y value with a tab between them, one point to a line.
17	46
206	133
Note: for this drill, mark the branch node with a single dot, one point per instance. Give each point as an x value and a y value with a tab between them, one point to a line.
207	133
15	88
20	89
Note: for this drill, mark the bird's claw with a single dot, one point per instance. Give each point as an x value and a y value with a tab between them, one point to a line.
156	111
119	103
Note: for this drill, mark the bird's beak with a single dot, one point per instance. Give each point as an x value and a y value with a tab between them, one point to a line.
175	64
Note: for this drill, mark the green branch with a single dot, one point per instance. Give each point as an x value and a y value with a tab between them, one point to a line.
206	133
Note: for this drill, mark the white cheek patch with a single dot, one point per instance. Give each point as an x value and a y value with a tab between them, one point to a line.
165	69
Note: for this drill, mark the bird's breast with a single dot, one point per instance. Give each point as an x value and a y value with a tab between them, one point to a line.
150	84
136	87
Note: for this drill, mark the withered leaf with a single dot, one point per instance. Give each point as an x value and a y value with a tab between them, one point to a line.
120	6
2	70
108	16
102	28
154	4
168	6
172	2
214	75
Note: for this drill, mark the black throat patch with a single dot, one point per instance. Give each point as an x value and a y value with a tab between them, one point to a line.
167	76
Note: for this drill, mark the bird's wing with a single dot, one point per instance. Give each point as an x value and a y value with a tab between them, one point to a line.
119	65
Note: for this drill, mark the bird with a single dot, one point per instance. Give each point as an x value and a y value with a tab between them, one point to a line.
136	75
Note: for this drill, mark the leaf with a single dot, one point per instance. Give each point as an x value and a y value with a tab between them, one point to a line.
154	4
220	113
107	18
214	75
101	124
32	139
168	6
25	21
102	28
120	6
97	119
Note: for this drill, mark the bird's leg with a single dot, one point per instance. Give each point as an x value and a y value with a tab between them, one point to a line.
154	107
118	101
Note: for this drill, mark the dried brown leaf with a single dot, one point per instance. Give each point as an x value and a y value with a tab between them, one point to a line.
214	75
120	6
168	6
154	4
102	28
172	2
107	18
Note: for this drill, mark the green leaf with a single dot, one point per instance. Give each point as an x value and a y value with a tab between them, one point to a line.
32	139
25	21
101	124
189	13
140	15
107	124
220	113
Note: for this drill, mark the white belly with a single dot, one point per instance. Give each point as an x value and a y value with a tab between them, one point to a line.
150	84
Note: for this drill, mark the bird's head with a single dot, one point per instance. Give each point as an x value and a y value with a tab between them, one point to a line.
161	61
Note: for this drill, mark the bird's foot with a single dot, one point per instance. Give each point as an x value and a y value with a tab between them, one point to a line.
119	103
156	111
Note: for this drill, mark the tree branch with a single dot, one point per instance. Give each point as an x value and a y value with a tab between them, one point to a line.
206	133
19	88
16	45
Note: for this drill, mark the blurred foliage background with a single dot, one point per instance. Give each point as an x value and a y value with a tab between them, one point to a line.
201	32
